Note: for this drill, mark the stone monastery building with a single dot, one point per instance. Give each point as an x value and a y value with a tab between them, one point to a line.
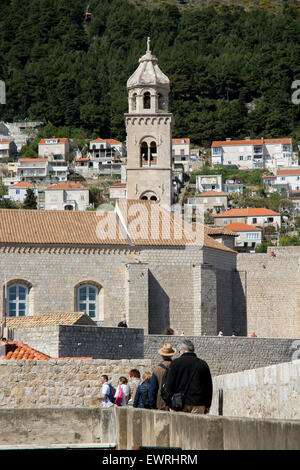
140	262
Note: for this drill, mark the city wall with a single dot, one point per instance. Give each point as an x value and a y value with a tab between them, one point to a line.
128	428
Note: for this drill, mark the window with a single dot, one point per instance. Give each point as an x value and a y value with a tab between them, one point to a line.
254	220
241	157
249	157
282	178
87	296
17	191
270	219
147	100
16	300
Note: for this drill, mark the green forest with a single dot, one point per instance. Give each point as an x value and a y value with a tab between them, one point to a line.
231	70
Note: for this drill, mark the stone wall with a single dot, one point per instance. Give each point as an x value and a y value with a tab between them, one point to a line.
59	382
268	392
226	355
270	285
84	341
128	428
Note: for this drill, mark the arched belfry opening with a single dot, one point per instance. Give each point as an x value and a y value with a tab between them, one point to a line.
148	152
147	100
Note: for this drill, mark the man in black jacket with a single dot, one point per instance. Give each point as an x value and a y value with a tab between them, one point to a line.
191	375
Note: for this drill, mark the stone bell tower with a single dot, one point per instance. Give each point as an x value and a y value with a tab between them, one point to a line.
149	133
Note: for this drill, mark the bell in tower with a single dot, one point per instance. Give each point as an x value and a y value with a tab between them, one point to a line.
149	133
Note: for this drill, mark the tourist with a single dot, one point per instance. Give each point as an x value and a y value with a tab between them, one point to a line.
106	392
166	352
191	376
122	392
142	396
134	382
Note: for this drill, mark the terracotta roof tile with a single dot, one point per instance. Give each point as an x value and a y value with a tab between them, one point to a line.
23	184
72	318
70	186
16	350
132	223
291	172
185	140
222	143
240	227
61	140
219	231
247	212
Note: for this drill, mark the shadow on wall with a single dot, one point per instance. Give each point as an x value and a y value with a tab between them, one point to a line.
239	303
159	307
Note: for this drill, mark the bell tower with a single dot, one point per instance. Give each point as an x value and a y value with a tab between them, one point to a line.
149	133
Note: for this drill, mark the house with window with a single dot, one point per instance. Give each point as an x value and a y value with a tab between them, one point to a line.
260	217
254	153
181	149
248	237
214	200
209	183
118	191
54	147
67	196
18	192
106	149
33	169
285	179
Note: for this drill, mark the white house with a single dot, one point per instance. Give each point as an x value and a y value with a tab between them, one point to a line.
109	149
55	146
32	169
260	217
181	149
18	191
248	236
209	183
288	178
118	191
254	153
67	196
214	200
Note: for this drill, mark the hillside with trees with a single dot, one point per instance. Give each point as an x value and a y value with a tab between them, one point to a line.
231	70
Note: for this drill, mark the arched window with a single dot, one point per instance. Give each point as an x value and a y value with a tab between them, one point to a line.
153	153
162	102
94	146
144	153
87	299
144	198
147	100
153	198
16	300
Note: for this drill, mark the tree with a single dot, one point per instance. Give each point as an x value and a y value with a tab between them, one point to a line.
30	201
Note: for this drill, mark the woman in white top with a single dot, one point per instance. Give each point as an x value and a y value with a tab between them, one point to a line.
125	391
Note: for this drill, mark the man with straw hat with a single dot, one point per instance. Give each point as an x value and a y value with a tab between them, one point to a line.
156	400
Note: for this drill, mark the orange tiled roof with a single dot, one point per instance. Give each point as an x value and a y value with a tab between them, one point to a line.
6	141
23	184
109	141
249	211
133	223
222	143
82	160
16	350
118	185
67	186
240	227
185	140
291	172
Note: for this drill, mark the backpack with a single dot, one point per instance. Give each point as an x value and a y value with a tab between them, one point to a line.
119	397
146	398
111	395
163	389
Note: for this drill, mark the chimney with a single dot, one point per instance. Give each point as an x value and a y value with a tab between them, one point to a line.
228	139
247	138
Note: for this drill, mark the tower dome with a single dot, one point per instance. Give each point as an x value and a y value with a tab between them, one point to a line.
148	73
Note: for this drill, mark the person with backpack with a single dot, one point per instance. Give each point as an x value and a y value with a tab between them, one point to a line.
142	394
107	392
159	378
122	393
189	382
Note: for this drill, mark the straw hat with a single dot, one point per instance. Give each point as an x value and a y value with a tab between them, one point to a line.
167	350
